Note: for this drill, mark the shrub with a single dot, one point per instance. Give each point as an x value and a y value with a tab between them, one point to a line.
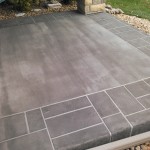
21	4
24	4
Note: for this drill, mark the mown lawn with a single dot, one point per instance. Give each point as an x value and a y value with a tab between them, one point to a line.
140	8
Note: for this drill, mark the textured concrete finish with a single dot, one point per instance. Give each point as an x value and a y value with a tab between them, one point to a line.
53	61
35	120
35	141
71	82
118	126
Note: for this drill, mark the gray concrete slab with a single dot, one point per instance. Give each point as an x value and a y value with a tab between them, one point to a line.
124	100
35	141
103	104
140	122
145	101
147	81
35	120
139	88
12	126
74	80
64	107
72	121
118	126
139	43
43	61
75	141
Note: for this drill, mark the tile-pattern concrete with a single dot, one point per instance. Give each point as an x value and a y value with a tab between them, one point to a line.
140	122
145	50
35	120
35	141
138	89
64	107
75	141
148	81
102	99
69	81
145	101
124	100
139	43
72	121
118	126
12	126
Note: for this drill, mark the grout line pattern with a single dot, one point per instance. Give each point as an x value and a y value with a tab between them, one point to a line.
77	131
68	112
111	115
21	136
75	97
120	112
27	125
143	96
146	83
138	112
135	98
47	131
86	95
28	131
100	118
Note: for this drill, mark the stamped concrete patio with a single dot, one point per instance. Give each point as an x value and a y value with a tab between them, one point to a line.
72	82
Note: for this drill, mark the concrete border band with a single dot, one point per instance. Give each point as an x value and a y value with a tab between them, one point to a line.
125	143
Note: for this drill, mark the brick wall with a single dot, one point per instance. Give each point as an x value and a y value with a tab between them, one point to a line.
90	6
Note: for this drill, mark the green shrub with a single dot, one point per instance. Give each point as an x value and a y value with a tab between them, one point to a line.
21	4
36	2
24	5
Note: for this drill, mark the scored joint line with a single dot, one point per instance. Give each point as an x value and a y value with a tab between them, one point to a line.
76	131
47	130
63	101
26	121
100	118
121	113
135	98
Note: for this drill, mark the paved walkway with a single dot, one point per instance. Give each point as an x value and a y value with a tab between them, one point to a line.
69	81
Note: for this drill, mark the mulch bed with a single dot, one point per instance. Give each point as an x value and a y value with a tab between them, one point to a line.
6	11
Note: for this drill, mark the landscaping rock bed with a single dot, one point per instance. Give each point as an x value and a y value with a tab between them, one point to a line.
142	24
145	146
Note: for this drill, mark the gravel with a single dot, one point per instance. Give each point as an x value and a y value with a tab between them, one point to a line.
145	146
140	23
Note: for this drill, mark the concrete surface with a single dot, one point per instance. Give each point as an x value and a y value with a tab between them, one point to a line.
69	81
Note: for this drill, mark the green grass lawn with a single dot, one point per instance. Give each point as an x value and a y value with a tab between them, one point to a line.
140	8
